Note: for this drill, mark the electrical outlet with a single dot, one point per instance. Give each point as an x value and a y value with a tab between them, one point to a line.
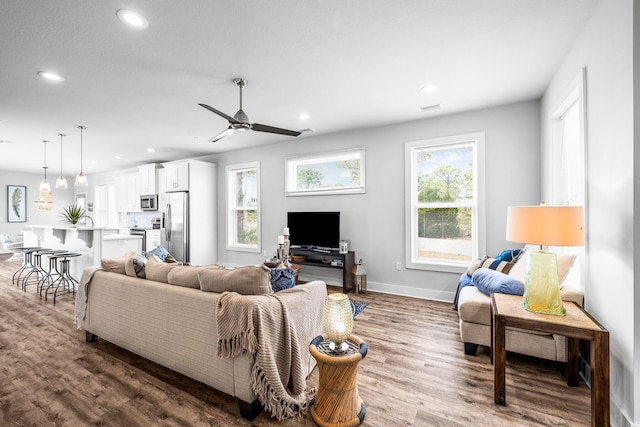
398	265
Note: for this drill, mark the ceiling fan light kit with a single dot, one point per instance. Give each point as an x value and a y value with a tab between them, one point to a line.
240	120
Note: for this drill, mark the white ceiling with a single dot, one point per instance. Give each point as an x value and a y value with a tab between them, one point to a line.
348	64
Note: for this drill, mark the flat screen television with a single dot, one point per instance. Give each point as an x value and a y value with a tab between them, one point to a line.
314	230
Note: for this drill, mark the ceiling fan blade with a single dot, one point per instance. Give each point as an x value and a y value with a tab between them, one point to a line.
226	132
264	128
220	113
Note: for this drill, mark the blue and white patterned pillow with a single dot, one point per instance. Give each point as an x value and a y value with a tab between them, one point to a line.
135	266
282	278
158	251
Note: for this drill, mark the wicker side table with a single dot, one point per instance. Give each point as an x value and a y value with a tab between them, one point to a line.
338	403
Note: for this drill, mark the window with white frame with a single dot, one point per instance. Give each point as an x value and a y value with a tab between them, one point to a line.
444	182
338	172
243	207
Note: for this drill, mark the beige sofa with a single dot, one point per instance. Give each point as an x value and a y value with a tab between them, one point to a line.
474	310
174	326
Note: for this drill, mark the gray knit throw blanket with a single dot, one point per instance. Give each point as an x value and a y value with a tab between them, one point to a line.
277	329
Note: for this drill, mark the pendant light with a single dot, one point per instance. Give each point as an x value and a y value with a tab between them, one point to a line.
44	202
81	179
61	182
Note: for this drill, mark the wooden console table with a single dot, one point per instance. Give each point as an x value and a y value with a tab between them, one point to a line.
324	258
576	325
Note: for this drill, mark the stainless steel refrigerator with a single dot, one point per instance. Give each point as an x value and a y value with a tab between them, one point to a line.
175	232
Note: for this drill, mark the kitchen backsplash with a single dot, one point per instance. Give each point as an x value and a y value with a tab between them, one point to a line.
141	219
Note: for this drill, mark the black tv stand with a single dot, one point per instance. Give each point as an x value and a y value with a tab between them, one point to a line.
323	258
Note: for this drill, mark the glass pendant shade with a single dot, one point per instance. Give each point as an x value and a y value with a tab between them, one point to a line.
61	182
338	319
81	179
44	201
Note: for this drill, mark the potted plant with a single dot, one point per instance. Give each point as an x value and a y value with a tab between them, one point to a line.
73	213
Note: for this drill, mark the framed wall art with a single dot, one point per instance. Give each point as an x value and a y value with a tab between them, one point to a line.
16	203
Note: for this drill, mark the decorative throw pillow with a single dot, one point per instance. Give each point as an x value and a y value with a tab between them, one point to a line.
187	275
487	281
250	280
282	278
158	251
116	265
158	270
135	266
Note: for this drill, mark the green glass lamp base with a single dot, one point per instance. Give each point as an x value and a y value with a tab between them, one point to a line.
541	288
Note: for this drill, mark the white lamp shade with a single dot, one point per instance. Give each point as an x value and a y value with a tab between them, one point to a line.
546	225
45	186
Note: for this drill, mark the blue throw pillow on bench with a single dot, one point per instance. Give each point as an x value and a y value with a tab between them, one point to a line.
282	278
487	281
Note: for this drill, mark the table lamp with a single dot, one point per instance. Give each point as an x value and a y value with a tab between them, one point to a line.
544	226
338	321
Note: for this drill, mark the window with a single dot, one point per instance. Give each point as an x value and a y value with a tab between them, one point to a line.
243	207
444	202
327	173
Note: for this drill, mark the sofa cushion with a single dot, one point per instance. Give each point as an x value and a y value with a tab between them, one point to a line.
135	266
250	280
187	275
487	281
158	270
117	265
282	278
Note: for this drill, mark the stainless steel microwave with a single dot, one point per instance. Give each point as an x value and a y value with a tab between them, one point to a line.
149	202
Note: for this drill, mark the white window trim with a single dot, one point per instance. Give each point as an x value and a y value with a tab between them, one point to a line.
290	176
229	197
479	223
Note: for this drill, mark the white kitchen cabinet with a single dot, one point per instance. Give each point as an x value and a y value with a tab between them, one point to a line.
176	176
127	194
115	246
153	239
147	179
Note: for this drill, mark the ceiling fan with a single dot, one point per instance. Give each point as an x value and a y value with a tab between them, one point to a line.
240	120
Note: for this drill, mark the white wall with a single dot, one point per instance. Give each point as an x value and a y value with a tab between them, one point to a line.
62	199
373	223
605	47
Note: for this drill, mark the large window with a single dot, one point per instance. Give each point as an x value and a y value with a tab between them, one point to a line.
444	208
243	207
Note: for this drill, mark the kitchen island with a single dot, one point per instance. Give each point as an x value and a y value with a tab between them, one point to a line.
92	243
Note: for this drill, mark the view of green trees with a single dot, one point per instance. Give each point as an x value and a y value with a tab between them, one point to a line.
311	176
246	203
445	184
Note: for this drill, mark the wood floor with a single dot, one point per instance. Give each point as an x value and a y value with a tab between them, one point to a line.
415	374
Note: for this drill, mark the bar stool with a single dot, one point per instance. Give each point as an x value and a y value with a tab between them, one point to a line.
53	273
26	262
36	268
65	278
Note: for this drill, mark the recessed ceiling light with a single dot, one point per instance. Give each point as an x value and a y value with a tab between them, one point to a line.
94	162
51	76
119	157
133	19
303	116
429	88
151	150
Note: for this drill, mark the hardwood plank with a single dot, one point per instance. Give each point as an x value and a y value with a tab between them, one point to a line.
415	374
